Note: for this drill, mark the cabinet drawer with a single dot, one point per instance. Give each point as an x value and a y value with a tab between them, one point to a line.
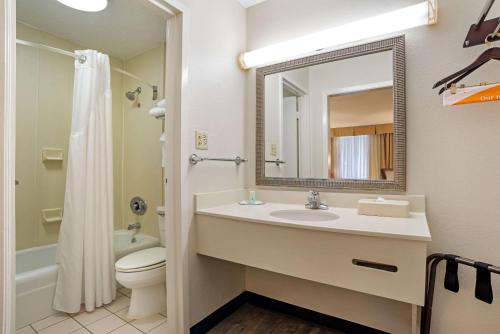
385	267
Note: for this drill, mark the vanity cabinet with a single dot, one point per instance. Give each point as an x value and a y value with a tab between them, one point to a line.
390	267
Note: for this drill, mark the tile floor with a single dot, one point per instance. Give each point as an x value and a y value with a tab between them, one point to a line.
108	319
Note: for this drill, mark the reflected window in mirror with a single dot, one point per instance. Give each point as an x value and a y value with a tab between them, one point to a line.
361	134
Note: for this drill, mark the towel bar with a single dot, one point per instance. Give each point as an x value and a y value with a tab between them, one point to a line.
194	159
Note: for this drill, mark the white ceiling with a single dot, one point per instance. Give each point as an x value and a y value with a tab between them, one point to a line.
362	108
126	28
250	3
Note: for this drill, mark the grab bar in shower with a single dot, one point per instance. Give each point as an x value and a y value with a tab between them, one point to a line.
194	159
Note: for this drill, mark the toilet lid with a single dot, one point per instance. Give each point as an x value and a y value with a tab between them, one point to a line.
151	257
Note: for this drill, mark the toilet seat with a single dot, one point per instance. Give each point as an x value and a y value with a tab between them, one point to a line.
143	260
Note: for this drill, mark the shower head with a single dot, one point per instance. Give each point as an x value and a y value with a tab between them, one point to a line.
132	95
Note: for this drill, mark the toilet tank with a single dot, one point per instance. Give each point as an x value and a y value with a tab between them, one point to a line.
160	211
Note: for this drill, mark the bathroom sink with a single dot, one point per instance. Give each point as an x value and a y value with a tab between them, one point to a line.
305	215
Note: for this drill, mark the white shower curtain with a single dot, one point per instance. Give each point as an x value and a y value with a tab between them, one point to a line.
85	249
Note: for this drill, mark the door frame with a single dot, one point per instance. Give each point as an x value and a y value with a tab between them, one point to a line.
8	167
175	92
304	133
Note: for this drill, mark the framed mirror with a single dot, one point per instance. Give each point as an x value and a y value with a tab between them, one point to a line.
334	120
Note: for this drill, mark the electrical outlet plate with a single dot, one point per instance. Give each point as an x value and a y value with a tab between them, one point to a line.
201	140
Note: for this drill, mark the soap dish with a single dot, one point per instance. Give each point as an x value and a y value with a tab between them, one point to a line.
246	202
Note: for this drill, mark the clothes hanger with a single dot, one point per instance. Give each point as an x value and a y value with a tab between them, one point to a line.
481	32
457	79
486	56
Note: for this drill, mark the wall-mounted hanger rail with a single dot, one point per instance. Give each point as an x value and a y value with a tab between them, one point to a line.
432	263
483	31
194	159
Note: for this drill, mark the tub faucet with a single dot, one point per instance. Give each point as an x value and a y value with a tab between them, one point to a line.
134	226
314	201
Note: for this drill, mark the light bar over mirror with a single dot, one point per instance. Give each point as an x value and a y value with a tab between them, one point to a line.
424	13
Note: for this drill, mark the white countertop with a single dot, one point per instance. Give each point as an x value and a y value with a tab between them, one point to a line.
413	228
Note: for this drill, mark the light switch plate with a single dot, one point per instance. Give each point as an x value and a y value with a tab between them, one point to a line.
274	150
201	140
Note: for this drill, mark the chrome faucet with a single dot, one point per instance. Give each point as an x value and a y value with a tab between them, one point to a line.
314	202
134	226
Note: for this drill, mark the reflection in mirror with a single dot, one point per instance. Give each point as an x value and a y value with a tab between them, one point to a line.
361	135
331	121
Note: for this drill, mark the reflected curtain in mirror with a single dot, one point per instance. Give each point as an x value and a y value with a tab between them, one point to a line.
347	152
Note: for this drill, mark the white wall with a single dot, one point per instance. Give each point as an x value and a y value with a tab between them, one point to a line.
274	122
274	117
452	152
361	108
298	77
43	119
215	102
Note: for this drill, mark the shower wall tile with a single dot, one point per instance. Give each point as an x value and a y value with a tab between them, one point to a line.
44	106
142	150
27	201
117	101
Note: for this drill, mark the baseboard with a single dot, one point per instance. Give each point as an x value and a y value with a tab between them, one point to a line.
325	320
220	314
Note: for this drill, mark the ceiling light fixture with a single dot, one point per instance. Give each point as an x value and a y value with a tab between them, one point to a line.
424	13
86	5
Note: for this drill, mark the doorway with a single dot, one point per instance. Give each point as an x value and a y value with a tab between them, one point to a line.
175	65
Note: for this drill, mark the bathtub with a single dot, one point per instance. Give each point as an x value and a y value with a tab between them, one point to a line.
36	275
123	243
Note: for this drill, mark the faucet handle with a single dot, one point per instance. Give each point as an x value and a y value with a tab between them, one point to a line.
313	194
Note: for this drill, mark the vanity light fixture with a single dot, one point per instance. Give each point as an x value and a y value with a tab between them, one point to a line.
424	13
86	5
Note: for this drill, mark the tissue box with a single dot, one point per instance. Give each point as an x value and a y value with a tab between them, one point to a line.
384	208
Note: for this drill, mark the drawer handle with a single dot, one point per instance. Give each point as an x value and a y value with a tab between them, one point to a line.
375	265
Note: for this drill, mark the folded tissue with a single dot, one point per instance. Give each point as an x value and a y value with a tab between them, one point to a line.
383	208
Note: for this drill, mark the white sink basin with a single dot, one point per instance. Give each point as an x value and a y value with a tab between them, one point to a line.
305	215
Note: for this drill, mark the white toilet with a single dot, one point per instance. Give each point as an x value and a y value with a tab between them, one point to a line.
144	272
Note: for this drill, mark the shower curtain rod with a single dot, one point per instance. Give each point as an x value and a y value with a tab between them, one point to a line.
82	60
